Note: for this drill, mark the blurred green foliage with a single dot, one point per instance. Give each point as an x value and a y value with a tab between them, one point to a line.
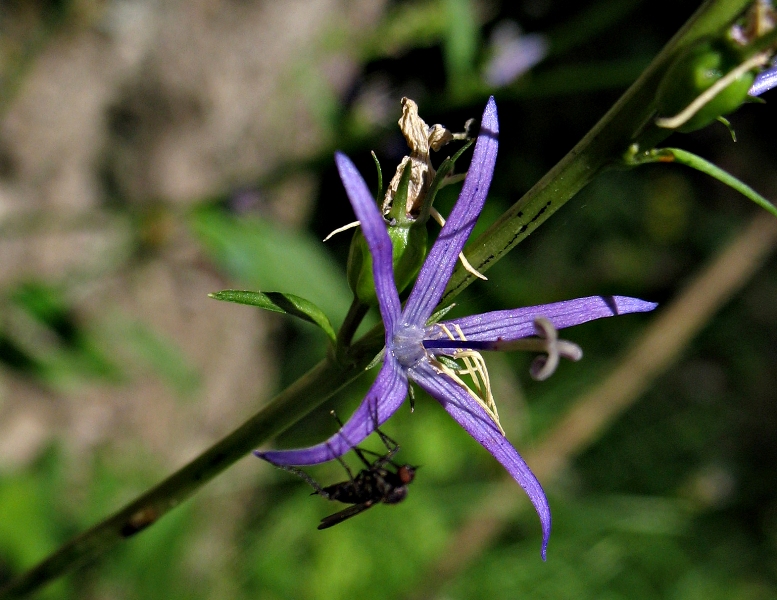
677	500
264	256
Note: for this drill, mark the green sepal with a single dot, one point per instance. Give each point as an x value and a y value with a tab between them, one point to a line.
282	303
437	316
377	360
379	196
398	210
442	172
449	362
408	242
727	124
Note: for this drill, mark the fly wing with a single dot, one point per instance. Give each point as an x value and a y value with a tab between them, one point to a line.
344	514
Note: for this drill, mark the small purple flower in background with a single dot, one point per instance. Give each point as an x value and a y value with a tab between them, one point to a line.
422	353
764	81
514	53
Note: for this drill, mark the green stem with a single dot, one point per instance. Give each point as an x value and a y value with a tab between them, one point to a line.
312	389
630	118
629	121
353	319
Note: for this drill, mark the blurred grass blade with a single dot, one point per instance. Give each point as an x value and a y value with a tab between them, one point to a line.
283	303
590	22
263	255
460	43
157	353
578	78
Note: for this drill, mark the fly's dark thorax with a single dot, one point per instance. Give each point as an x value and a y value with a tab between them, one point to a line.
376	485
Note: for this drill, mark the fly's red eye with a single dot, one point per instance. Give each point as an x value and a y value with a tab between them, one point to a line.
406	473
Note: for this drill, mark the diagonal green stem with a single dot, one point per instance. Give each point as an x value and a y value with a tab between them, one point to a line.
312	389
628	121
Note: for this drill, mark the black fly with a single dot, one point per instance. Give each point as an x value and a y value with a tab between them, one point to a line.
375	483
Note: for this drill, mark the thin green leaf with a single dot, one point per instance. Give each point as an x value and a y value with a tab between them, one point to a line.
377	360
282	303
689	159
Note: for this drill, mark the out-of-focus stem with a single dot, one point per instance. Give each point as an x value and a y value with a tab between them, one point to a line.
353	319
311	390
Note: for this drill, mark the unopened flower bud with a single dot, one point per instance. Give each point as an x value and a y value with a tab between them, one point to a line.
692	74
409	251
406	206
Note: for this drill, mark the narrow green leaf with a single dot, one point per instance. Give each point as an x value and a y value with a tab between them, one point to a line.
683	157
282	303
377	360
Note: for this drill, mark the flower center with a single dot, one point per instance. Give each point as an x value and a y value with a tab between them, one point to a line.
407	345
473	366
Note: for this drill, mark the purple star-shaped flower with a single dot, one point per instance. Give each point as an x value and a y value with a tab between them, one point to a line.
413	347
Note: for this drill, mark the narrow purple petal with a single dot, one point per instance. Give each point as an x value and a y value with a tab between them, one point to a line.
518	323
471	416
374	229
439	264
384	398
764	81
